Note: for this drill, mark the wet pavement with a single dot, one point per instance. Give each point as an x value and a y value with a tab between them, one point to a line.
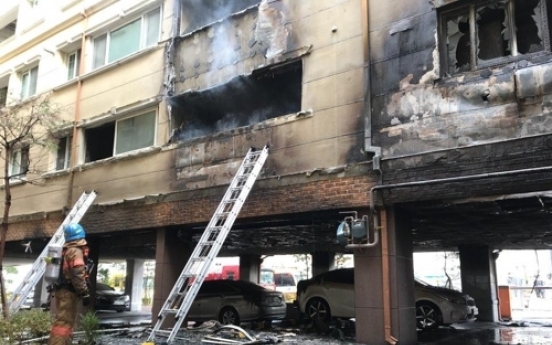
533	328
485	333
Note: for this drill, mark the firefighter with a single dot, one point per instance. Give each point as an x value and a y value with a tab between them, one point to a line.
72	285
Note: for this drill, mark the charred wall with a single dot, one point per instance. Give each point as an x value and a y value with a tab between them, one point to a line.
284	73
419	106
199	13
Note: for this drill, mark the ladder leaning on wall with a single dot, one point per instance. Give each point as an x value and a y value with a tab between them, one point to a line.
39	266
188	283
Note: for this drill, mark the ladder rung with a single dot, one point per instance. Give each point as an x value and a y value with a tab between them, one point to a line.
216	235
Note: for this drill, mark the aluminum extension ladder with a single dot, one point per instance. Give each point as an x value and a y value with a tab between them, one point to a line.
187	285
39	266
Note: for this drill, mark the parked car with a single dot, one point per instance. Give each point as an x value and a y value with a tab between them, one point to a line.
332	294
234	301
286	282
107	298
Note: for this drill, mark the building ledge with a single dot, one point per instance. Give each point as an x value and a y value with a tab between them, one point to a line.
125	156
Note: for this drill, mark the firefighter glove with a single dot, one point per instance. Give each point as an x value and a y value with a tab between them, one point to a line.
86	300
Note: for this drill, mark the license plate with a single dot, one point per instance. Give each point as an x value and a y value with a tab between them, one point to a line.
118	303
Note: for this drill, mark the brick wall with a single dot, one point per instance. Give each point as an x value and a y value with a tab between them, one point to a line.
322	194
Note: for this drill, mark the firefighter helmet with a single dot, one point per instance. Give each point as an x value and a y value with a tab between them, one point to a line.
73	232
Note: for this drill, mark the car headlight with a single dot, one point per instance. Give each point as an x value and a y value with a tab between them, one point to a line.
455	300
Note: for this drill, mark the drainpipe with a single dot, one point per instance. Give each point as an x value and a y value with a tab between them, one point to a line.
74	141
368	147
376	150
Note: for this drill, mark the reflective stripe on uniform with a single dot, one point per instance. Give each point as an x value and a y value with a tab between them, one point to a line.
62	331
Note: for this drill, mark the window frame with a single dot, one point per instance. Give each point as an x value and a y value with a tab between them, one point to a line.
24	94
76	68
67	154
142	39
475	63
154	140
21	174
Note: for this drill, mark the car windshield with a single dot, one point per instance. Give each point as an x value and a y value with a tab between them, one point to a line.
101	286
421	282
267	277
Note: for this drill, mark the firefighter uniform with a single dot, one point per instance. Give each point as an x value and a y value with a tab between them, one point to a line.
71	287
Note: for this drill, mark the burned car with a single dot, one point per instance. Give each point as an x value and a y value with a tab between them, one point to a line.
234	301
332	294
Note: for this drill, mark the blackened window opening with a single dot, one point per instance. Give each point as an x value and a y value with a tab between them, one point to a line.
99	142
199	13
244	101
501	29
491	32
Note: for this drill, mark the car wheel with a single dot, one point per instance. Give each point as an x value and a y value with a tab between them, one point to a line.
229	316
427	315
318	310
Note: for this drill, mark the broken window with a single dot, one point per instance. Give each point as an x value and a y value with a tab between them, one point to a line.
199	13
121	136
99	142
479	34
63	153
243	101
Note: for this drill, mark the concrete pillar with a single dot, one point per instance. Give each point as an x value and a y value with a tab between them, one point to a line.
478	273
369	292
133	282
322	262
171	255
250	268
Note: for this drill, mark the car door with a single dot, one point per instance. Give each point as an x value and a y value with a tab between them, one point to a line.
220	295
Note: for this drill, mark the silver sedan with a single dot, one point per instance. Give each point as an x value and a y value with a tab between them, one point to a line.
235	301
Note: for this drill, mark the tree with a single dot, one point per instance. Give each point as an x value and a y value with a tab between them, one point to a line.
24	126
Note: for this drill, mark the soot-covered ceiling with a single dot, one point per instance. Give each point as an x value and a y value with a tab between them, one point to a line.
522	223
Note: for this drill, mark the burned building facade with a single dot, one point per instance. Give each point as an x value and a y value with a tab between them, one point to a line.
434	115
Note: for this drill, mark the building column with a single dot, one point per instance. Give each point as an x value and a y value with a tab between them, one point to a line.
250	268
133	282
171	255
478	273
322	262
395	251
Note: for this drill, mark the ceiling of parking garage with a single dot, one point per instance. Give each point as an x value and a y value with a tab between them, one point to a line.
520	222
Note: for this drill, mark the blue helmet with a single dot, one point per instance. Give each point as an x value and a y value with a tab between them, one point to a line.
73	232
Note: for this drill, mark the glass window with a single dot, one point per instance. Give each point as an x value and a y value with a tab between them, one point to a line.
127	39
28	82
100	48
153	20
124	41
19	162
73	65
63	154
135	133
